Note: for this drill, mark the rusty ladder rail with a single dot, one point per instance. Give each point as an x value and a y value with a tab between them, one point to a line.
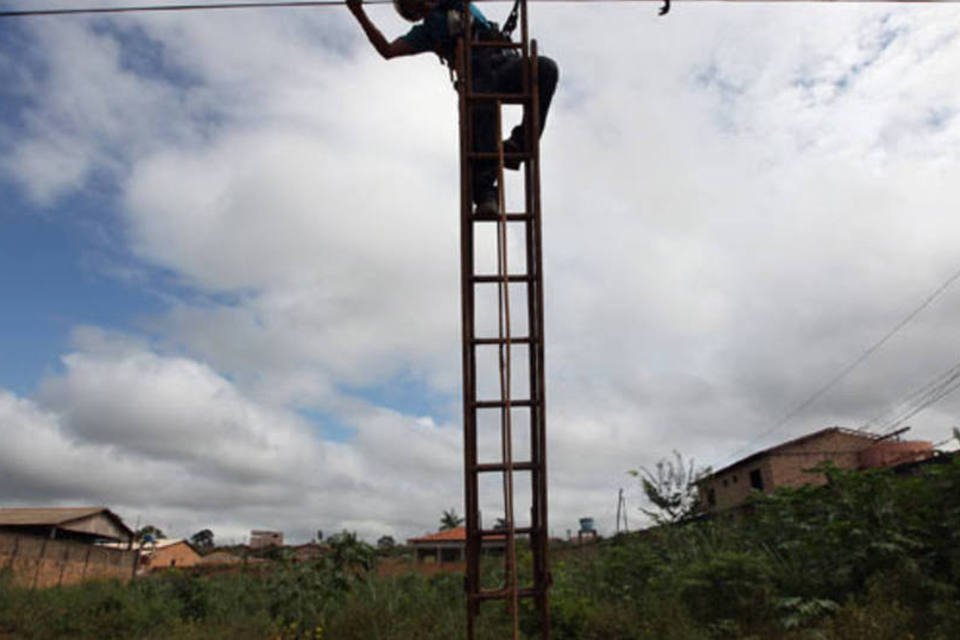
534	583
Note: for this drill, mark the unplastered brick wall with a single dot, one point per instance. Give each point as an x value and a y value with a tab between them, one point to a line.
791	466
733	487
787	466
40	562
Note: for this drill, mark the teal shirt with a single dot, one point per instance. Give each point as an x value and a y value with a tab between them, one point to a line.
433	33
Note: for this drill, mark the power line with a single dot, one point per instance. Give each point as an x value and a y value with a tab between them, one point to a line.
845	371
912	400
332	3
177	7
918	400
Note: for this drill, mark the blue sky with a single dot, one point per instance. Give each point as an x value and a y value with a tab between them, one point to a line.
53	280
228	247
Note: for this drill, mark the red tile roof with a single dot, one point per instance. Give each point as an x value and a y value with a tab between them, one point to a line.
457	534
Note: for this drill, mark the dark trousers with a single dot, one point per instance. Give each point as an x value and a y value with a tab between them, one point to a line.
504	75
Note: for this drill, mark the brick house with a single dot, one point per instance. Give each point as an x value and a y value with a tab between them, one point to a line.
164	554
262	539
788	464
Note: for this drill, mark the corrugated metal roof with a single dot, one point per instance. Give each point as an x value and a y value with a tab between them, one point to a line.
96	522
42	516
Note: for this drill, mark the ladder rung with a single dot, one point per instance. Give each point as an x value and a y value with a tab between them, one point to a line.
500	404
487	467
493	533
494	278
504	594
505	98
493	44
495	217
494	155
496	341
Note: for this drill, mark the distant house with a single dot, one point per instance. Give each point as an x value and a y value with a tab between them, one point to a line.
448	546
80	524
788	464
261	539
164	554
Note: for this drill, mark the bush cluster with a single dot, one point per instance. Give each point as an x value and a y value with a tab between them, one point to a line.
870	555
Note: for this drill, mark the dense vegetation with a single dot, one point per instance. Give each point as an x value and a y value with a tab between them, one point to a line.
871	556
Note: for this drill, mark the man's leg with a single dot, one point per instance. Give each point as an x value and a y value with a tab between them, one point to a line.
484	123
509	79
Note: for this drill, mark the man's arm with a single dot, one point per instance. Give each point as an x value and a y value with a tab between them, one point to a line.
398	47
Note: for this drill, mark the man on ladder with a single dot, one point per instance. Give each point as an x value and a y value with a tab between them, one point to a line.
495	71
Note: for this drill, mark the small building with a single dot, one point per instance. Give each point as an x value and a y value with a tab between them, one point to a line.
789	464
449	546
165	554
261	539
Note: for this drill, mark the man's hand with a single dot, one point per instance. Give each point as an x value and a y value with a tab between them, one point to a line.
398	47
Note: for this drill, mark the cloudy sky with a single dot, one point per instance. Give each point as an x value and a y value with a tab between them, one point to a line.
229	288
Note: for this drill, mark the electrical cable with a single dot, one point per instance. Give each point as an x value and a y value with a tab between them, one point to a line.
912	399
332	3
845	371
942	386
178	7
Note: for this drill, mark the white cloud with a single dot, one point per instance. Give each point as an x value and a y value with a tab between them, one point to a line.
168	438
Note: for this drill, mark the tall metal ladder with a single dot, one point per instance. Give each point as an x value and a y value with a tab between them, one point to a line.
490	353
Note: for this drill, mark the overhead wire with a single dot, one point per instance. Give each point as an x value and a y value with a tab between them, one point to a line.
916	401
856	362
912	399
24	13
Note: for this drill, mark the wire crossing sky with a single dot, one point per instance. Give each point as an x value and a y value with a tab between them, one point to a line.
854	364
329	3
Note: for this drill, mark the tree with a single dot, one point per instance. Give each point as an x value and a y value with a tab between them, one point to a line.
672	489
202	540
149	533
349	552
450	520
386	542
